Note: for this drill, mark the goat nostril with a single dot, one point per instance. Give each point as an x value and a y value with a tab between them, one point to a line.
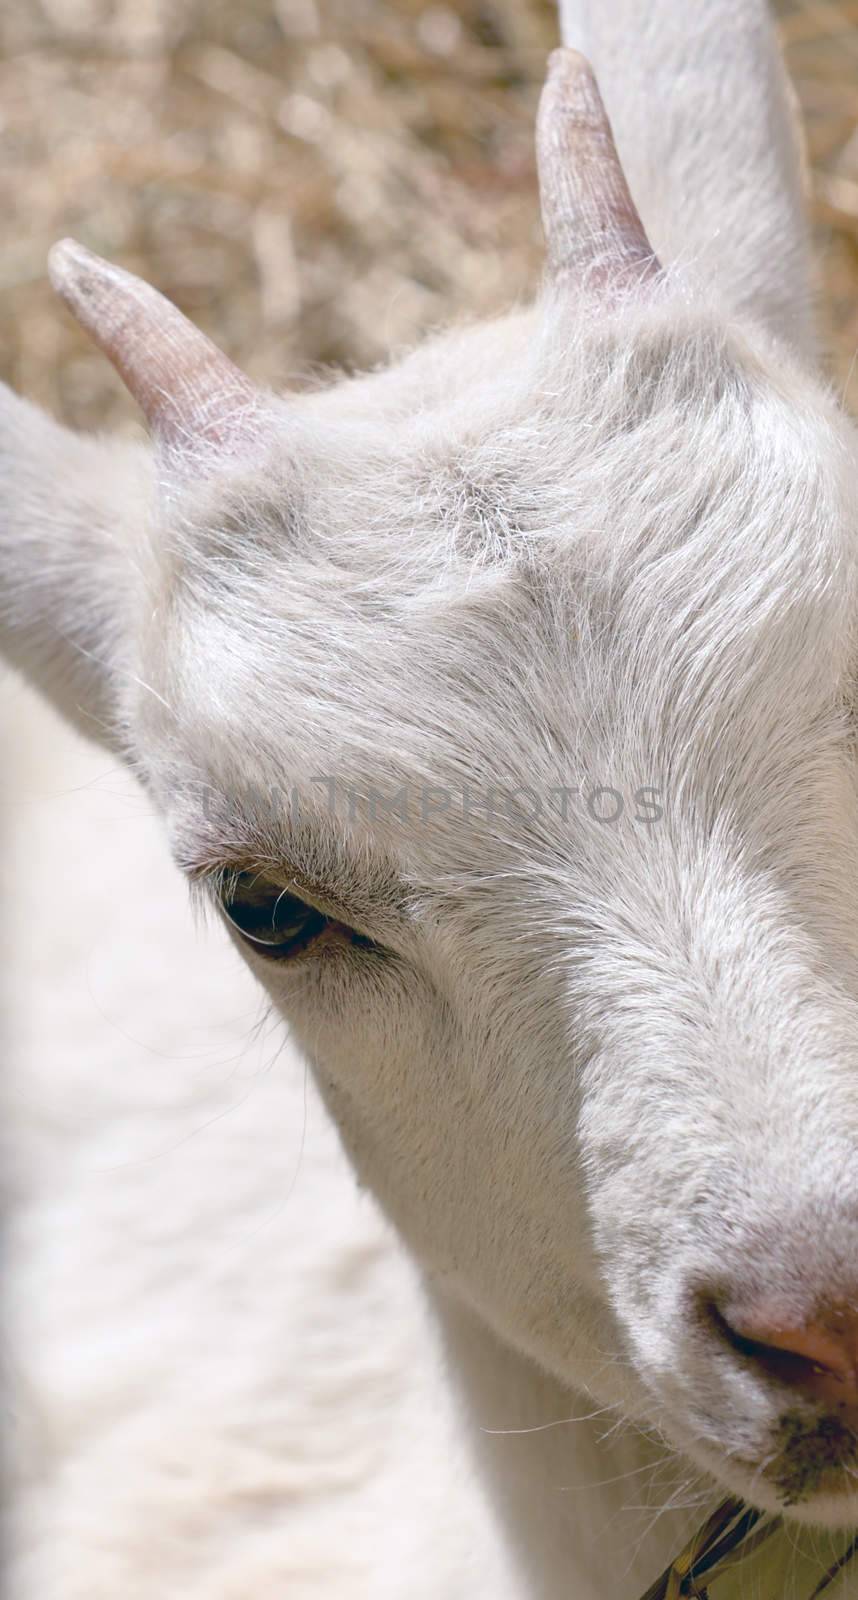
820	1358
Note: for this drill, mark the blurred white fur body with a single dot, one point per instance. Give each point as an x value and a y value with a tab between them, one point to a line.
535	547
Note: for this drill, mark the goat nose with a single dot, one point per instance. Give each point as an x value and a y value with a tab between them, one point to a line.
818	1359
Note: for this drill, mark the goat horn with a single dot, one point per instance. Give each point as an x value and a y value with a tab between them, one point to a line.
590	219
188	390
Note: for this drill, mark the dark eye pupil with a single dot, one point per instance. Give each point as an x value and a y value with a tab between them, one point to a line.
277	922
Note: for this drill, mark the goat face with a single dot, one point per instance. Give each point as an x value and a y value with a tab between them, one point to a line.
502	701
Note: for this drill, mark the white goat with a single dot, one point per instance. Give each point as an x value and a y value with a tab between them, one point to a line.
386	657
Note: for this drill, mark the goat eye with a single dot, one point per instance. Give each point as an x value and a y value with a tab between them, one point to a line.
278	924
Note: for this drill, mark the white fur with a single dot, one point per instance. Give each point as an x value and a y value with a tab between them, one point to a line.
215	1352
603	1067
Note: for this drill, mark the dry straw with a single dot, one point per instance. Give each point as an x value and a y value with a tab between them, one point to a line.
727	1540
318	182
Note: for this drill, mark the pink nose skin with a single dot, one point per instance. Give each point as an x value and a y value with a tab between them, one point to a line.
820	1359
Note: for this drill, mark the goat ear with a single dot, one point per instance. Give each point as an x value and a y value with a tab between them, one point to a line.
190	393
592	228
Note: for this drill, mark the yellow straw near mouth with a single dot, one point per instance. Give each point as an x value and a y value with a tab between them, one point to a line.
726	1540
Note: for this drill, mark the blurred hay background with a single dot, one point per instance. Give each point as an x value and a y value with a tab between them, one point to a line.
318	181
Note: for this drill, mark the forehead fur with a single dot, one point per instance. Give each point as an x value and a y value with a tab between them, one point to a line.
453	582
